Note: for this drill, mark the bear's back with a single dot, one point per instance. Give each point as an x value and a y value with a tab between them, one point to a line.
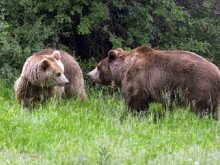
188	61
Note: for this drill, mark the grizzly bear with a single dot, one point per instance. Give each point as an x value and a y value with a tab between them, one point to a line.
146	75
73	73
47	74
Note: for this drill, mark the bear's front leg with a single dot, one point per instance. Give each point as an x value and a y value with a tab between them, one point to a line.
135	99
27	102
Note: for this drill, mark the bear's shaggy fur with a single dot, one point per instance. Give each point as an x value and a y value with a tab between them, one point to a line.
44	76
73	73
147	75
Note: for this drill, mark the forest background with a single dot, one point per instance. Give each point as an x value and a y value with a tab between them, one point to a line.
88	29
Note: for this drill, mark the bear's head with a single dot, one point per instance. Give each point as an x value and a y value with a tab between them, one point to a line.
109	70
52	70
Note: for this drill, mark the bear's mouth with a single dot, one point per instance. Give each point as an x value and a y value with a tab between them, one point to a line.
96	81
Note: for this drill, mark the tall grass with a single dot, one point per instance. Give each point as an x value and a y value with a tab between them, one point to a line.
101	131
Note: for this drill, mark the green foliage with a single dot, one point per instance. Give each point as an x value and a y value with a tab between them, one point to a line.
98	15
117	42
89	29
87	66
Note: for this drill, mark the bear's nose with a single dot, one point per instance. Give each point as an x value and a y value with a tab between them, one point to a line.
67	82
89	74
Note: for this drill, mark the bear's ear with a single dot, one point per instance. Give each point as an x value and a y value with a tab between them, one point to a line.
56	55
119	50
44	64
112	54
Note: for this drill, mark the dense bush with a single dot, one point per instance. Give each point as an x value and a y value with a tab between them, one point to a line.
88	29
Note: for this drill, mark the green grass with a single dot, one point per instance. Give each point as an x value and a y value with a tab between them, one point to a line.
101	131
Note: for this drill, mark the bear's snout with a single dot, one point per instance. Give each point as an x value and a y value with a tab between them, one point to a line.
68	82
93	75
63	80
89	75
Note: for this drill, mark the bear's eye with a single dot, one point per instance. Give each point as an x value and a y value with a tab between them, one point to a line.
58	74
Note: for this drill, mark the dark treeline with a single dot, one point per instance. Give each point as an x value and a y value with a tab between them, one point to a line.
89	29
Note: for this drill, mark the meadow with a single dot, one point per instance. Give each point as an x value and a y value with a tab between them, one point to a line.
102	131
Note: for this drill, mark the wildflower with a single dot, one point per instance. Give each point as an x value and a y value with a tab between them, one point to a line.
212	145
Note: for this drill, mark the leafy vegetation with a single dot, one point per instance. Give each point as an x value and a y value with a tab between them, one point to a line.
89	29
101	131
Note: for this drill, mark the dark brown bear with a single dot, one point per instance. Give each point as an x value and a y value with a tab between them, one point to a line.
147	75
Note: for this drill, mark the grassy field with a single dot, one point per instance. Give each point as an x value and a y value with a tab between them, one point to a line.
101	131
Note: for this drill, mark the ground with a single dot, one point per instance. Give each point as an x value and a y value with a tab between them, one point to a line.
101	131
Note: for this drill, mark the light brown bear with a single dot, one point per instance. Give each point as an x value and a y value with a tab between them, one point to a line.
147	75
45	74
